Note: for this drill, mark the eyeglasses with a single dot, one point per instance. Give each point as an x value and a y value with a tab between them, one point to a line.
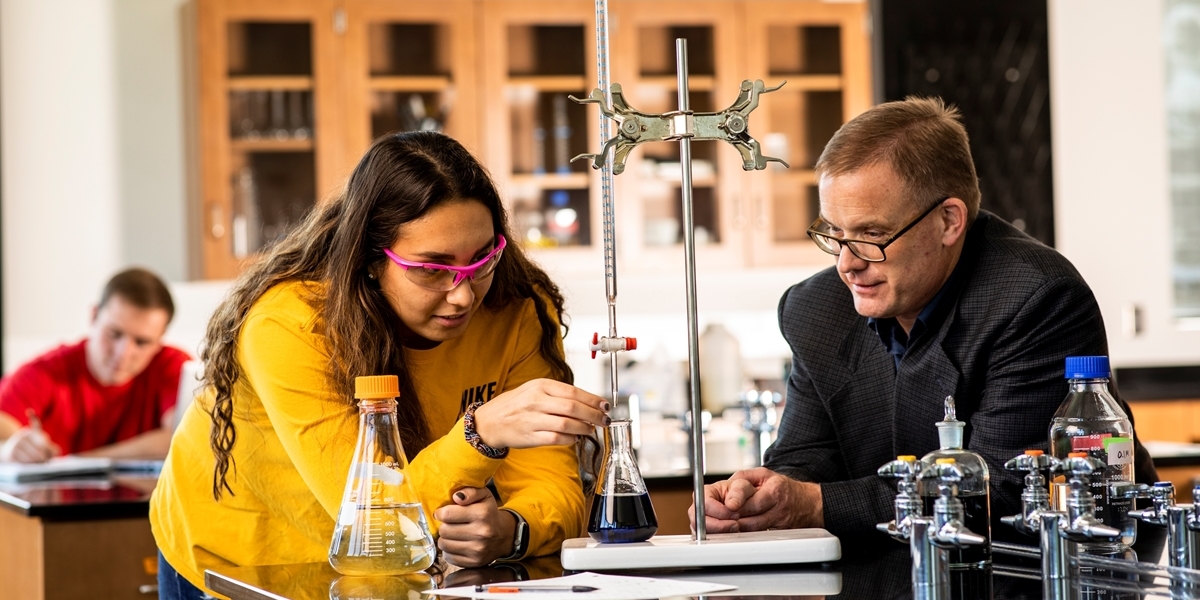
443	278
868	251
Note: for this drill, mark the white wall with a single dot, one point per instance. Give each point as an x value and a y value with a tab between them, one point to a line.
1112	204
92	158
59	165
93	175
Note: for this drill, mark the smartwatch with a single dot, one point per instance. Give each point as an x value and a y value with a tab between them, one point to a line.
520	536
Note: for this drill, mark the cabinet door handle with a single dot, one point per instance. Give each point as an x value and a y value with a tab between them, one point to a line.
216	217
739	216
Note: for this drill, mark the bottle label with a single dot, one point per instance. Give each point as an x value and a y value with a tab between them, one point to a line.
1087	443
1119	450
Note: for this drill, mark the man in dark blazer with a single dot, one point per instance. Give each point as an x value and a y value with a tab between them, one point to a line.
929	297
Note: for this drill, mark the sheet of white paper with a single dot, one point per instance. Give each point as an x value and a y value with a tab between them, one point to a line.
608	587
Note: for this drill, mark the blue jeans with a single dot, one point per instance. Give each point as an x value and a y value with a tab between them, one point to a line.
173	586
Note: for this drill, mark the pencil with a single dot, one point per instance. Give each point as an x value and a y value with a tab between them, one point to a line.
34	422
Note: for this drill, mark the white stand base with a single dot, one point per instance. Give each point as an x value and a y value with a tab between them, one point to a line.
782	546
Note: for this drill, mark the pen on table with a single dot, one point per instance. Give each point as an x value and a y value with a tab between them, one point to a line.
516	589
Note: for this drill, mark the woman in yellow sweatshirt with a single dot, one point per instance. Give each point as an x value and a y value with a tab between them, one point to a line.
409	273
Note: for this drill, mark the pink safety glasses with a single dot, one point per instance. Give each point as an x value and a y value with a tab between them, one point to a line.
443	278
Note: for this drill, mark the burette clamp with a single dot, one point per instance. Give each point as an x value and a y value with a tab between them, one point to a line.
611	344
635	127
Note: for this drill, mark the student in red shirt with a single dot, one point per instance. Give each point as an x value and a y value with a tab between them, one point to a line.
111	394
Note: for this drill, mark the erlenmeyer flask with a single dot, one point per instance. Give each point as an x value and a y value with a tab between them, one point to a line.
381	528
621	508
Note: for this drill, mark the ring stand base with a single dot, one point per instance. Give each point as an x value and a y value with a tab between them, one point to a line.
776	547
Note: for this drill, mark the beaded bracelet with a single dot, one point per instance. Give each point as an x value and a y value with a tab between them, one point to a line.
473	438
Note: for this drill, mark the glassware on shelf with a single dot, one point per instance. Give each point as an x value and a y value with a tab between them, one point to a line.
562	221
381	527
299	122
246	225
621	508
562	136
260	114
279	122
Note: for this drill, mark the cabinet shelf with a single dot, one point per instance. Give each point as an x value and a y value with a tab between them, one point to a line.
550	83
271	82
807	83
555	181
401	83
271	145
696	83
794	176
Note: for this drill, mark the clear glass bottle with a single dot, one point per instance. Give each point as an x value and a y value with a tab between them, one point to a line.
381	527
973	491
1090	420
621	508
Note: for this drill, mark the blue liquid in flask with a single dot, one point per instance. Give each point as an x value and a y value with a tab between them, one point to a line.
622	518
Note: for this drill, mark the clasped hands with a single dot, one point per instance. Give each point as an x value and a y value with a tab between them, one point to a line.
759	499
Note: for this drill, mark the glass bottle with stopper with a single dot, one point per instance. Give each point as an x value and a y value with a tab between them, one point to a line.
973	490
381	527
621	508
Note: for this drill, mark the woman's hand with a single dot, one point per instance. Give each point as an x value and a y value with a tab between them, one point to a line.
474	531
543	412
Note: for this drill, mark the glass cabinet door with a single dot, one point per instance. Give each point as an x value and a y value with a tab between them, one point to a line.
264	123
822	51
535	54
649	191
410	67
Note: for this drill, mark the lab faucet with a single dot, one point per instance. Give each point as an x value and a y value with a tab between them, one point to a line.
758	418
929	538
1060	533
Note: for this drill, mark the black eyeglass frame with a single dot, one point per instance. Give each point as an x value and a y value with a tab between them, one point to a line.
832	245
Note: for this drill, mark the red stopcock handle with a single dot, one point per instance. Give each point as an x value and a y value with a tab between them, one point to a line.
613	344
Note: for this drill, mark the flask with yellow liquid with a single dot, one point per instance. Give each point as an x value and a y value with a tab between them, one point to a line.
381	528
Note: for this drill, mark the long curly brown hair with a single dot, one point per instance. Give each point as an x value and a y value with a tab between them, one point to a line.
339	244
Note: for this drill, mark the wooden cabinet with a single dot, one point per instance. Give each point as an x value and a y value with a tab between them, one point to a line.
822	51
270	125
534	54
292	92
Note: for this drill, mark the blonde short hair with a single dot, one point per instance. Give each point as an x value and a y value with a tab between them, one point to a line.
922	139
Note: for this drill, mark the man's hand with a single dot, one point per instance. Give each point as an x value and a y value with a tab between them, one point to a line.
474	531
723	502
760	499
28	445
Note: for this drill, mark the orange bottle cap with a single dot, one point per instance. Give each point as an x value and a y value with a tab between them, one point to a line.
1034	453
1077	455
945	461
376	387
907	458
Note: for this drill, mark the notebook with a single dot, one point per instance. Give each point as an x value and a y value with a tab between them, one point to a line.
65	466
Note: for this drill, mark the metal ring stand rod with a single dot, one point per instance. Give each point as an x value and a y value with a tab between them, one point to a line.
689	253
